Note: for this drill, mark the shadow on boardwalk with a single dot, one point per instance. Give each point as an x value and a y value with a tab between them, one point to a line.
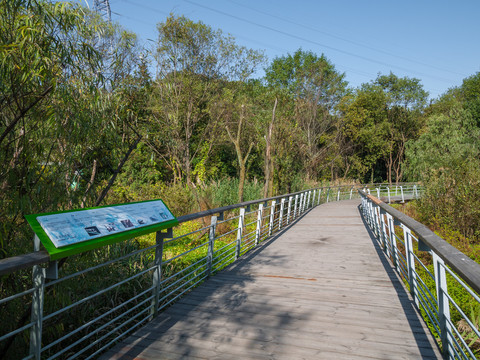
415	321
315	291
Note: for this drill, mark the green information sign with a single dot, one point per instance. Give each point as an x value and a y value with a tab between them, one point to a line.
71	232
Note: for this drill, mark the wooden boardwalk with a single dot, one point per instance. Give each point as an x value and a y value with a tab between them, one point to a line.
321	290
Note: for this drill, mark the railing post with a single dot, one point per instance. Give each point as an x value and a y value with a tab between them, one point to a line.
259	224
240	232
376	213
378	193
157	273
295	209
328	194
282	210
370	214
308	199
289	209
385	239
401	191
211	244
366	207
300	206
415	190
338	194
443	303
38	297
37	311
412	275
388	193
351	193
393	241
319	196
314	196
272	217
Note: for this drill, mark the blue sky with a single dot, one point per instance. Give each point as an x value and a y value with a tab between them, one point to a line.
434	41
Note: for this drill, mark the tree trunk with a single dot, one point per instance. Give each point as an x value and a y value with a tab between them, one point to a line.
389	166
117	171
241	181
268	155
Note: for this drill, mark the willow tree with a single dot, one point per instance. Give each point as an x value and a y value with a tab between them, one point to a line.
61	137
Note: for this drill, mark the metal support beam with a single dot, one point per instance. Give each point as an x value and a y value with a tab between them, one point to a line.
157	273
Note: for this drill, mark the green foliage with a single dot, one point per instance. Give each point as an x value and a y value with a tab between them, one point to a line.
62	137
445	157
224	192
316	88
465	301
195	62
378	120
469	94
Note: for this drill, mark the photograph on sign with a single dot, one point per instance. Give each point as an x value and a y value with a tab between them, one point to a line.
73	227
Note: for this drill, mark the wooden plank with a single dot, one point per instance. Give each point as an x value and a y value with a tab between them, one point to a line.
315	292
332	329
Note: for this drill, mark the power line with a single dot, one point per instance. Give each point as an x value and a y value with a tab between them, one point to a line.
316	43
146	7
345	39
276	48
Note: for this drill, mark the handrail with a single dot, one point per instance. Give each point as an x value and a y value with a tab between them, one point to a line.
148	278
210	212
442	280
468	269
25	261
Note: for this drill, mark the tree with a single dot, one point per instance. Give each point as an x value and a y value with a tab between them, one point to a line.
193	62
364	131
378	120
62	140
240	129
446	159
316	87
469	95
406	100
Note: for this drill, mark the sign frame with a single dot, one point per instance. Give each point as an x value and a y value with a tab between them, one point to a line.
95	243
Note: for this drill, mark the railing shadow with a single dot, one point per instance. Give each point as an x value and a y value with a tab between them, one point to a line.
185	329
415	321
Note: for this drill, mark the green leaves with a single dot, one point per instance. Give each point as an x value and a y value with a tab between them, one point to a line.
56	125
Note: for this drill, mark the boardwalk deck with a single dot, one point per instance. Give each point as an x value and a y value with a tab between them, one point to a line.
321	290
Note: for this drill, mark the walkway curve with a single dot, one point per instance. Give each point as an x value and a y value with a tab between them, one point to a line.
322	289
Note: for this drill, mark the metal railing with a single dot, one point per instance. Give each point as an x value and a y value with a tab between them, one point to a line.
444	283
396	193
84	304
